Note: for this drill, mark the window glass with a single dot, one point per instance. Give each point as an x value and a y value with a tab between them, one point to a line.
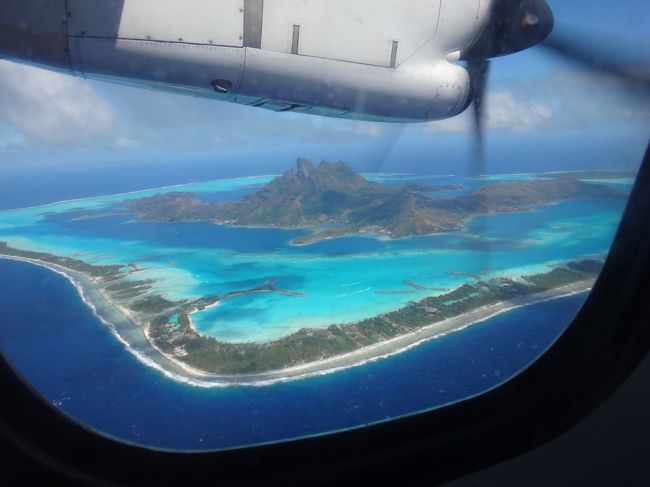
187	273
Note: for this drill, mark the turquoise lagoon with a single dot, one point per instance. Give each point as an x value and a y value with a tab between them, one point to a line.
339	277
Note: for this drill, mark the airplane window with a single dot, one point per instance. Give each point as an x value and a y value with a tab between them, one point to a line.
400	230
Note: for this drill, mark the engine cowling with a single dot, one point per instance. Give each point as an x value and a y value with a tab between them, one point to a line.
394	66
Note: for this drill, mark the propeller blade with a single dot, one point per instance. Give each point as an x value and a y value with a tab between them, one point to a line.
635	75
480	73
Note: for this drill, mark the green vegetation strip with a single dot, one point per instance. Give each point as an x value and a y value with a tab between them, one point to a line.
307	345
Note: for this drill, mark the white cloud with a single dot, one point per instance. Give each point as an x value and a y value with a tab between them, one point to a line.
125	142
54	109
368	129
570	98
458	124
504	112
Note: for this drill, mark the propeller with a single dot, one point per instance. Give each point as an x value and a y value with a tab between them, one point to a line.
513	26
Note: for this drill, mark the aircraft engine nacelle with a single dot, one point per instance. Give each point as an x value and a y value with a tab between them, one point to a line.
388	60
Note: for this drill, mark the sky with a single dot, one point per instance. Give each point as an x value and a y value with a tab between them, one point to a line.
539	108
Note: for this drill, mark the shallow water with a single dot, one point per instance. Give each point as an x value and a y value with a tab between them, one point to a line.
339	277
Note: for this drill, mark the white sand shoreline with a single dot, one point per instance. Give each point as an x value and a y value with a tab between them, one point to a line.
177	370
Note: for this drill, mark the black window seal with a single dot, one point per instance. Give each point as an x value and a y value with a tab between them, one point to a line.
607	340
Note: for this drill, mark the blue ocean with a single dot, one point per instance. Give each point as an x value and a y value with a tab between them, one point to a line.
77	364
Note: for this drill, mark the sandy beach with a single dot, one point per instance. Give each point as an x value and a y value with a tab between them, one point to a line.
126	326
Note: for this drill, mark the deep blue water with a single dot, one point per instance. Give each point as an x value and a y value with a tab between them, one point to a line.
73	360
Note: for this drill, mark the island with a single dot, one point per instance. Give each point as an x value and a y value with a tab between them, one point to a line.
178	346
328	201
332	200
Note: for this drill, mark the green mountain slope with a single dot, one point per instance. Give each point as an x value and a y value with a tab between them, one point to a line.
331	199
